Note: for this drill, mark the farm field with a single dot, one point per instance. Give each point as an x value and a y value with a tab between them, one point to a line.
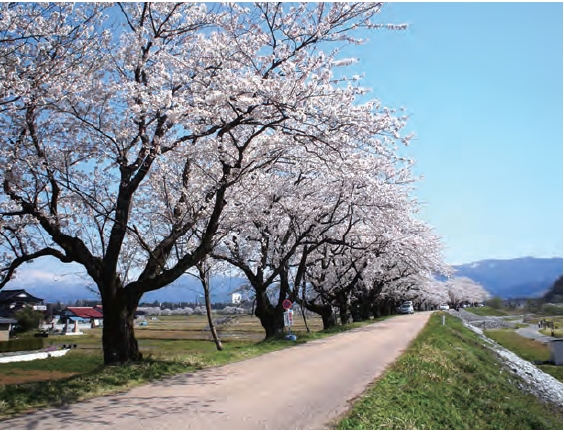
167	337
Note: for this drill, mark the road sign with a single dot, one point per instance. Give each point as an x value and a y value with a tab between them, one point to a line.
288	318
287	304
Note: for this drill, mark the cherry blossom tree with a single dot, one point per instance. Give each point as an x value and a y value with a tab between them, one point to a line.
464	289
380	263
289	211
124	128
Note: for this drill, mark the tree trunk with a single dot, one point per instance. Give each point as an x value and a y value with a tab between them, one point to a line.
376	310
214	333
118	337
326	313
302	307
389	308
271	318
344	314
205	280
355	310
365	311
328	318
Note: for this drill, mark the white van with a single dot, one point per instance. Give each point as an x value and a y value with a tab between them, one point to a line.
406	308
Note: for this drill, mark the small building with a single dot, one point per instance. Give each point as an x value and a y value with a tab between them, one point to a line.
12	301
6	326
556	351
236	298
83	316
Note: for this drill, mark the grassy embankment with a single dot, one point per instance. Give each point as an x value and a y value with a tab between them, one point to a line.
486	311
171	345
448	380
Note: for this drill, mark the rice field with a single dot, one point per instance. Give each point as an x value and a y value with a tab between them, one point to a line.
165	337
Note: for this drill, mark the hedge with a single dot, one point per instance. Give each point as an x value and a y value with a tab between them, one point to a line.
22	345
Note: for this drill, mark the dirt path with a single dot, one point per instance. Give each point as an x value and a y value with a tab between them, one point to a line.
305	387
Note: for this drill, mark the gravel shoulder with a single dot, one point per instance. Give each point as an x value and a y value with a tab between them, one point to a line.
306	387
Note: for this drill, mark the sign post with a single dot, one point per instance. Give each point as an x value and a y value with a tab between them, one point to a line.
288	318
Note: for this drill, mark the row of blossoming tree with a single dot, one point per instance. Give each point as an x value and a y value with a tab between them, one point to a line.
142	141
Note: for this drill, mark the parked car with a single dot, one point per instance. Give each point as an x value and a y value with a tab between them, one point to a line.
444	307
406	308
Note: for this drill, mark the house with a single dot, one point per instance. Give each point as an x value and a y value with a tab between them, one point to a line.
83	315
236	298
12	301
5	328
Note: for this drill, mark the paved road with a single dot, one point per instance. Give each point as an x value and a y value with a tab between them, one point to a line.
533	332
306	387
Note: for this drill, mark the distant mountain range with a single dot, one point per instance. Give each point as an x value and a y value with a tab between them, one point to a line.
525	277
185	289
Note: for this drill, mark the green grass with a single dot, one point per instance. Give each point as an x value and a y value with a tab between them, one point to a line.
72	362
89	377
554	370
528	349
519	325
98	381
486	311
448	380
548	332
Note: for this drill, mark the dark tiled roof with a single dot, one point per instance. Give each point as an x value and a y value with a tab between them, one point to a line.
7	295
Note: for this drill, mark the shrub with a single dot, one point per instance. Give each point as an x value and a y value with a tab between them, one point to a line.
552	310
28	318
24	344
495	302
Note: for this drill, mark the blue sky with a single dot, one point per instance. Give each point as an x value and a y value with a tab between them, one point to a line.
483	85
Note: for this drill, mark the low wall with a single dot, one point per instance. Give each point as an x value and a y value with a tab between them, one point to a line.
556	351
60	327
32	356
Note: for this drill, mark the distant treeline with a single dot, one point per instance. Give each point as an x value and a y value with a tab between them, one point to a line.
554	295
57	306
